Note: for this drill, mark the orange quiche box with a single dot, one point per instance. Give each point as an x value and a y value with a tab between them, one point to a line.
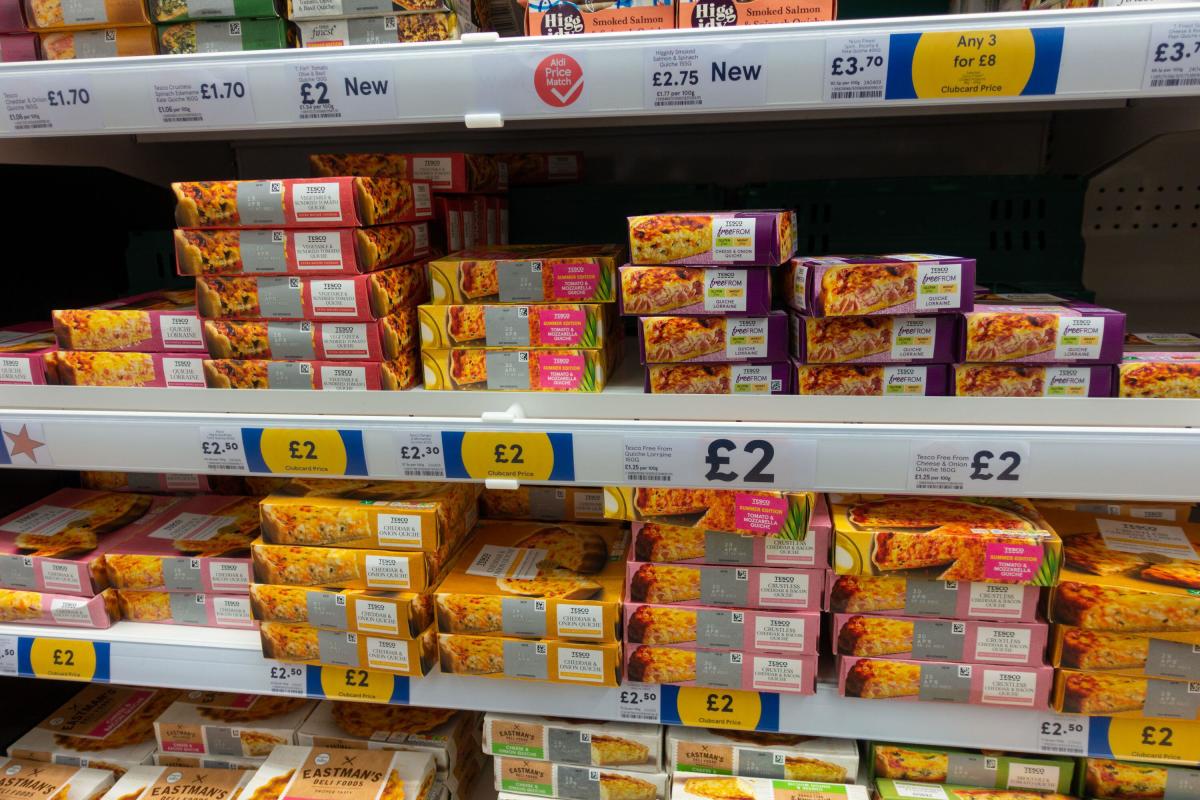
299	252
736	587
198	544
633	746
301	203
536	580
58	543
709	628
153	782
531	659
153	322
23	349
724	13
125	368
584	325
564	18
400	515
63	45
1159	374
526	273
398	614
851	286
505	369
449	735
786	515
722	669
910	597
575	781
1024	329
55	14
1001	540
187	608
1155	655
230	724
1022	643
345	568
1110	694
390	338
397	374
307	645
324	773
553	503
948	681
446	172
61	782
63	610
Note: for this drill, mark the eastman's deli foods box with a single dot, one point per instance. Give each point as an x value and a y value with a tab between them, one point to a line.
910	597
186	608
1155	655
950	681
575	782
58	543
325	773
713	238
1021	643
632	746
944	538
151	322
169	370
447	172
536	580
725	669
755	513
530	273
761	755
1159	374
723	629
301	643
402	614
536	660
332	376
401	515
346	568
60	781
903	762
668	340
301	203
586	325
64	610
1111	695
711	378
511	369
447	734
881	339
688	291
230	724
873	380
1123	575
1069	332
701	787
391	337
553	503
850	286
333	251
148	782
740	587
1032	380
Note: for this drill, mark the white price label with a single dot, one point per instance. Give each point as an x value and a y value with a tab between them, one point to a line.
704	76
981	467
347	91
1173	58
8	655
289	679
638	702
1064	736
221	450
856	68
52	103
742	461
194	97
419	455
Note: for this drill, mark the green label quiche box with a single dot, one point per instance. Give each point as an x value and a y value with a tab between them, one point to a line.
185	10
222	36
901	763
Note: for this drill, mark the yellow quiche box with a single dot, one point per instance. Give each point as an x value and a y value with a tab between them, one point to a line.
401	614
583	325
755	513
531	659
1125	575
179	783
60	782
230	724
512	369
107	727
635	746
536	580
307	645
328	773
1111	695
529	273
292	565
1154	655
448	734
575	782
386	515
554	503
995	540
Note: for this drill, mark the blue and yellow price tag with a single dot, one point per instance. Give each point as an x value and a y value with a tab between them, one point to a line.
63	659
960	65
509	455
1169	741
316	451
360	685
719	708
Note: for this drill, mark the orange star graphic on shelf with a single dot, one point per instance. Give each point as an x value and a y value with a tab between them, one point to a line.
22	443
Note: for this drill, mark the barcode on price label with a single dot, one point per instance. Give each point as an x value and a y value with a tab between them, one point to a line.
639	702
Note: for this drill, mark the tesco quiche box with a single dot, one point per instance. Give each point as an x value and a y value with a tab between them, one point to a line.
1108	779
887	789
912	597
519	370
710	628
586	325
698	787
531	659
121	42
69	611
1155	655
1161	342
183	783
633	746
419	26
536	580
230	724
413	657
1022	643
1033	380
529	273
162	482
399	614
23	349
532	169
713	238
904	762
553	503
1113	695
163	370
576	782
722	669
151	322
1159	374
58	14
186	608
850	286
447	734
687	291
751	512
949	681
873	380
752	754
301	203
335	251
739	587
564	18
1041	328
57	544
331	376
346	568
60	782
447	172
725	13
390	337
716	378
677	339
880	339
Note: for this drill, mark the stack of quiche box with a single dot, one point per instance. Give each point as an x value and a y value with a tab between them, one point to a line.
16	42
344	570
905	771
536	318
700	286
725	586
936	598
761	758
306	283
70	30
1126	610
876	325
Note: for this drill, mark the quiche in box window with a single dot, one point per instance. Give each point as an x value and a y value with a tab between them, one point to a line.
631	746
161	370
54	14
575	782
1030	329
332	376
448	734
754	754
230	724
328	773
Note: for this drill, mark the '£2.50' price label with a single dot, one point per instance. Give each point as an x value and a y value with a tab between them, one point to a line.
638	702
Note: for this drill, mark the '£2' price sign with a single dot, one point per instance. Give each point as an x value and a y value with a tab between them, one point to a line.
754	457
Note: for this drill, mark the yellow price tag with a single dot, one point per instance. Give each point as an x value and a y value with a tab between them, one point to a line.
514	456
1154	739
719	708
956	65
318	451
363	685
67	659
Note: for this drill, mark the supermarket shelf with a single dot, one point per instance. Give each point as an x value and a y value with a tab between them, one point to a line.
1077	447
486	82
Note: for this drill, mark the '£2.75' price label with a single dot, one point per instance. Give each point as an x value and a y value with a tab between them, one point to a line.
696	77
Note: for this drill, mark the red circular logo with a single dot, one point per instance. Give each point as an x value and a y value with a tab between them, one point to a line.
558	80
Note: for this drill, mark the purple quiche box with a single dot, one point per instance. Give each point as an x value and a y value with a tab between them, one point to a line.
694	291
899	283
678	339
713	238
883	339
720	378
873	380
1033	380
1049	330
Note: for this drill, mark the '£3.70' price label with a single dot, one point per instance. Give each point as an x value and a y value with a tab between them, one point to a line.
856	68
1173	57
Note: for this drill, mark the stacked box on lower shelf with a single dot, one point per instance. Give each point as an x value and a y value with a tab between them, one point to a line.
150	782
1108	779
886	789
703	787
761	755
323	773
230	724
903	762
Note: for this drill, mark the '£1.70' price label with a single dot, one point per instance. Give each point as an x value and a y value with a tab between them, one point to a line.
51	104
201	97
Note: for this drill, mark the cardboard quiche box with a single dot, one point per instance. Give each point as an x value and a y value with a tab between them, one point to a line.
531	659
552	503
703	786
706	628
714	238
526	274
230	724
632	746
903	762
182	783
761	755
910	597
326	773
447	734
307	645
851	286
1022	643
58	781
945	681
755	513
722	669
397	614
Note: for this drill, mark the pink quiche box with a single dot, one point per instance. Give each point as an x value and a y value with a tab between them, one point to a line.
946	681
793	632
722	669
1000	602
894	636
152	322
61	610
125	368
738	587
22	351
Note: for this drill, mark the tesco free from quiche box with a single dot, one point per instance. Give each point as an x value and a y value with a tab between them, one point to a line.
676	339
907	283
873	380
1159	374
713	238
879	339
1020	329
1033	380
694	291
